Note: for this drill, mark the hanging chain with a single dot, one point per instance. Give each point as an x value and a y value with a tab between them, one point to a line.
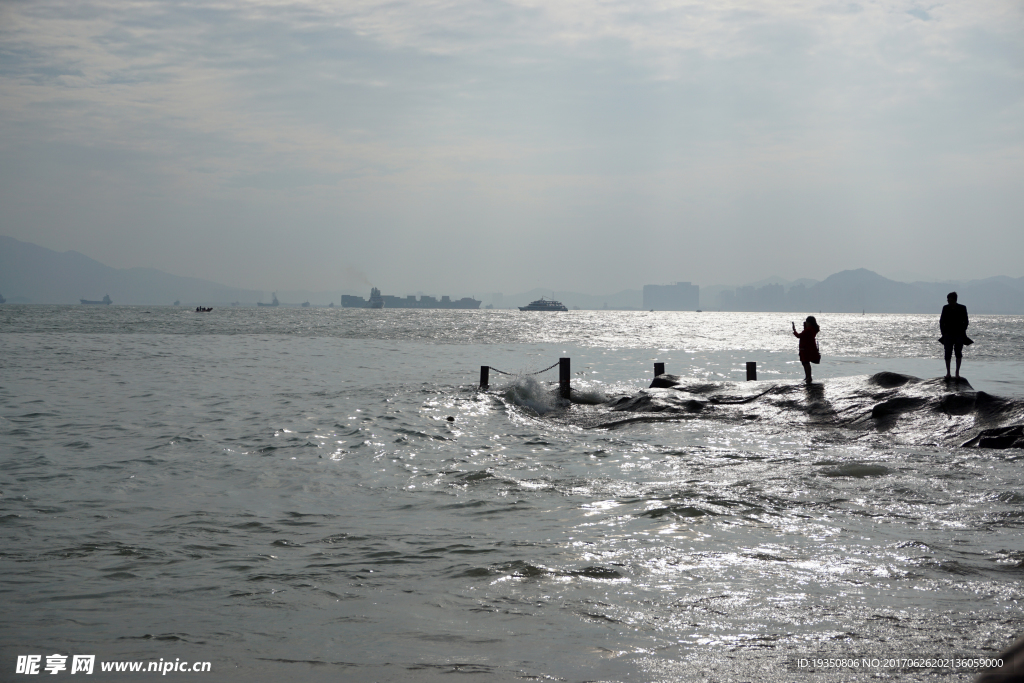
501	372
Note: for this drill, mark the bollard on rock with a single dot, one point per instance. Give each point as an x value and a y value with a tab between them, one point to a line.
563	377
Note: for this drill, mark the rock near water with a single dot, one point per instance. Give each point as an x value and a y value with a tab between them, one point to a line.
906	409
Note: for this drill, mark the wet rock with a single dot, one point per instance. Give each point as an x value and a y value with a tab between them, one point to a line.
889	380
907	409
957	404
1001	437
897	406
665	381
1012	670
653	403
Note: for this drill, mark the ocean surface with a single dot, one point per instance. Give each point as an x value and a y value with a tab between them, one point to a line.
327	495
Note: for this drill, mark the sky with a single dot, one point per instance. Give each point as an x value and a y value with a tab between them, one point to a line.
464	147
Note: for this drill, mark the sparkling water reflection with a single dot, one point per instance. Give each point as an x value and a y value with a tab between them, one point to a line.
282	494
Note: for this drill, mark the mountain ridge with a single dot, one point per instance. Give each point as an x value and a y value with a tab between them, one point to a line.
30	273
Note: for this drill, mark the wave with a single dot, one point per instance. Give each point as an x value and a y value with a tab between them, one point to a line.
907	409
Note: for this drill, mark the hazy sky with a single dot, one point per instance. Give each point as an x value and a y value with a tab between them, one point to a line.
463	147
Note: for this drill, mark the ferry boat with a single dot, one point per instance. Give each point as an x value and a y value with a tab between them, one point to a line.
105	301
543	304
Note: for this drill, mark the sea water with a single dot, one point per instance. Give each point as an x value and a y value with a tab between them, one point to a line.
327	494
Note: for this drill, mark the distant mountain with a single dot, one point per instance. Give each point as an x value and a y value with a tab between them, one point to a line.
786	284
853	291
33	274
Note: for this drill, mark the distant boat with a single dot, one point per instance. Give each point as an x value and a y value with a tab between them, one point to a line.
2	299
305	304
275	302
104	302
177	303
543	304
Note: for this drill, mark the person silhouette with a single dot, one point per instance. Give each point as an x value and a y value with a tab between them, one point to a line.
953	325
808	346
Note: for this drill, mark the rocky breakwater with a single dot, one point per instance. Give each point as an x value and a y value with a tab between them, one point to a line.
897	408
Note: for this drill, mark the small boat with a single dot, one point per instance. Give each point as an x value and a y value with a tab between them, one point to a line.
177	303
105	301
305	304
543	304
275	302
2	299
204	309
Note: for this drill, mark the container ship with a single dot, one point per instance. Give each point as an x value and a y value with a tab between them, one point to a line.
378	300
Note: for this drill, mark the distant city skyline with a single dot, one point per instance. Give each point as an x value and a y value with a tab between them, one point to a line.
32	274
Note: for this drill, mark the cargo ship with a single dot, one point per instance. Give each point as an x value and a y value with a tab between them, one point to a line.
105	301
378	300
275	302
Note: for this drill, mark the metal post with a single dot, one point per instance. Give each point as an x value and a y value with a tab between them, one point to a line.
659	369
751	370
485	371
563	377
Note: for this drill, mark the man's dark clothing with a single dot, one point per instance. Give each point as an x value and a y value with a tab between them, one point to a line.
953	325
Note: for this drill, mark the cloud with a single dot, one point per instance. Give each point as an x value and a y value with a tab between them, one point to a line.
463	118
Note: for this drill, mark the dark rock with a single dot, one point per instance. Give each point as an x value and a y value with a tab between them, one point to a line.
889	380
896	406
1001	437
957	404
1012	670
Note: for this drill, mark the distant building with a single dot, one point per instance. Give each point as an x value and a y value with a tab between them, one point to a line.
682	296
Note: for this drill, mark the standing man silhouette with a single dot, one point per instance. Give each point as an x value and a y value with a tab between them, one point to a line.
953	325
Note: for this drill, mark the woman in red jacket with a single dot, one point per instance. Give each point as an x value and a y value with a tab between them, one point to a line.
808	346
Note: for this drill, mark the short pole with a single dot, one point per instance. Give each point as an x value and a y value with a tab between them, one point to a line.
563	377
751	370
485	372
659	369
